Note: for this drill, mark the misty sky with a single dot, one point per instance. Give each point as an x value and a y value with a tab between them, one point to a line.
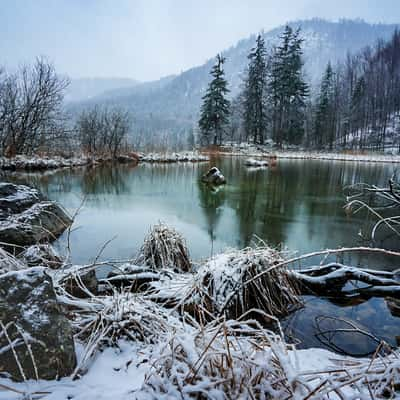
147	39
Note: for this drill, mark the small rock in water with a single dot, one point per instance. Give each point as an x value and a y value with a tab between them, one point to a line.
214	177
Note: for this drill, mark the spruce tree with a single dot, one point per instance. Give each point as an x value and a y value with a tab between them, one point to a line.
324	129
255	114
214	113
288	89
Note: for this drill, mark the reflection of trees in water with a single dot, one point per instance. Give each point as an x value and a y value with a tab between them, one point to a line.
105	179
323	196
263	202
167	175
267	200
211	201
49	182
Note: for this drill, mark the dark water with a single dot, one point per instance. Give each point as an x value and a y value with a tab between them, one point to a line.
297	205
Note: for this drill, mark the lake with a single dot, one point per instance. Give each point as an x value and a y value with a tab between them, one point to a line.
297	205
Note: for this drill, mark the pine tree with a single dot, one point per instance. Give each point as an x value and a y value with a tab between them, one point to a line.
215	110
288	89
324	127
255	114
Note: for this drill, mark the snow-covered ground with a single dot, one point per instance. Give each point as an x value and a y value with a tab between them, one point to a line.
370	157
41	163
264	152
188	156
120	374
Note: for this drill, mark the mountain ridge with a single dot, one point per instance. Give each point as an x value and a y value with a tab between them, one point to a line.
173	102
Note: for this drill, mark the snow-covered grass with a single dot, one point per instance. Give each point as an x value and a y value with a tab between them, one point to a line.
41	163
368	157
224	360
138	345
263	152
170	157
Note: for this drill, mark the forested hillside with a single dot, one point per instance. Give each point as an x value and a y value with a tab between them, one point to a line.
171	106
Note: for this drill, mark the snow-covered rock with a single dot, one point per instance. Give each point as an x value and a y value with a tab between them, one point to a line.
26	218
214	177
34	329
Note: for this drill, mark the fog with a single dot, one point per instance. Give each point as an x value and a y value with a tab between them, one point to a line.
148	39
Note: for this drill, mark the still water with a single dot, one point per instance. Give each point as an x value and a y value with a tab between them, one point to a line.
297	205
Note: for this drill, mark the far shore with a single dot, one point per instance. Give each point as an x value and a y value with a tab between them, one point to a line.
309	155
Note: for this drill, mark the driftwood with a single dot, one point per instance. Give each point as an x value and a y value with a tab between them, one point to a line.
382	203
330	280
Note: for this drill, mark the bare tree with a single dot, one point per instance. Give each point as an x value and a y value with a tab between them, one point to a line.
102	131
30	108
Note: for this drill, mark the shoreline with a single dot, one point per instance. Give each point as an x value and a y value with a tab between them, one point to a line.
371	157
38	164
45	163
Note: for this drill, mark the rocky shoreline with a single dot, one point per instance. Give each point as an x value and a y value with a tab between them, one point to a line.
36	163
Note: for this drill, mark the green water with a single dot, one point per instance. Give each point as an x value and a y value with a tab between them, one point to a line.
296	205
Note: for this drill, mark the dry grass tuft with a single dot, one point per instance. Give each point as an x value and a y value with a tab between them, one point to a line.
231	285
163	248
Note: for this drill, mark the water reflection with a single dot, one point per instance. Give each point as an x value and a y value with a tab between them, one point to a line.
323	324
297	205
211	198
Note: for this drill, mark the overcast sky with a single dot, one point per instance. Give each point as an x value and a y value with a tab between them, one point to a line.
147	39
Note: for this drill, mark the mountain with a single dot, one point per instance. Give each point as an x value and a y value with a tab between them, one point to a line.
174	102
86	88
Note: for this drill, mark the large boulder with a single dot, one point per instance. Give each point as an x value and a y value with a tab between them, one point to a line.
214	177
35	336
27	218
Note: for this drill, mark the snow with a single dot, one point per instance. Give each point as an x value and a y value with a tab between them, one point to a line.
190	156
252	151
114	374
252	162
38	163
121	373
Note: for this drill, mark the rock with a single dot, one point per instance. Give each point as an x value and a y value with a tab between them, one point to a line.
214	177
41	255
17	198
43	221
26	218
36	326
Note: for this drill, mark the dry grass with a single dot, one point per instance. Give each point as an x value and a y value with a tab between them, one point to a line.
230	287
227	360
163	248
